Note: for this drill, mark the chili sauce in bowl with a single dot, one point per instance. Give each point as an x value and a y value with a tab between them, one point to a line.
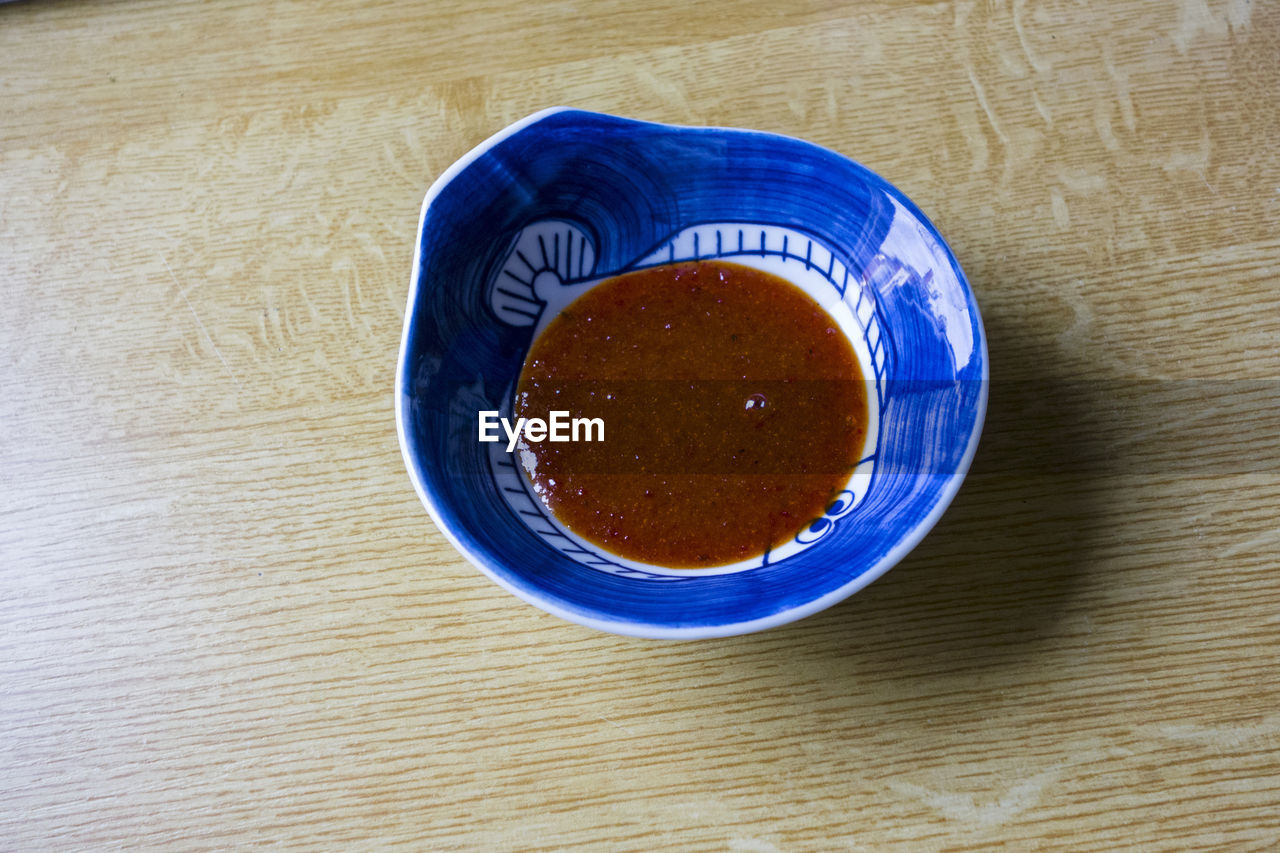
806	419
732	411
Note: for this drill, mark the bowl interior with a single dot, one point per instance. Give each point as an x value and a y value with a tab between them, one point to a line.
553	205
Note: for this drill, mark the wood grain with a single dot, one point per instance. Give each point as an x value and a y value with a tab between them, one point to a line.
225	619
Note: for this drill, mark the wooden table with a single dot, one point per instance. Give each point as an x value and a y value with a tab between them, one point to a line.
225	618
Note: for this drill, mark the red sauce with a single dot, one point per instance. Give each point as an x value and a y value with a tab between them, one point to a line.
733	411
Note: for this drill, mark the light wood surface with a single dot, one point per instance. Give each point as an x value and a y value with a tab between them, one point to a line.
225	618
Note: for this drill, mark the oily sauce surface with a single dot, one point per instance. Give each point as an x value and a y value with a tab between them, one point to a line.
733	409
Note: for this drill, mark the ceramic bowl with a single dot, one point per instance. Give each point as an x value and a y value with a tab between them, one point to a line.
564	199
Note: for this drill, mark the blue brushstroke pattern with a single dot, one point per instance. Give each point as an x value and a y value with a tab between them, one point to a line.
632	185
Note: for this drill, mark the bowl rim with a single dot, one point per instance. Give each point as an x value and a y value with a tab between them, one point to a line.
647	629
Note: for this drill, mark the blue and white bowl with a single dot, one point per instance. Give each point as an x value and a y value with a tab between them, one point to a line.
564	199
